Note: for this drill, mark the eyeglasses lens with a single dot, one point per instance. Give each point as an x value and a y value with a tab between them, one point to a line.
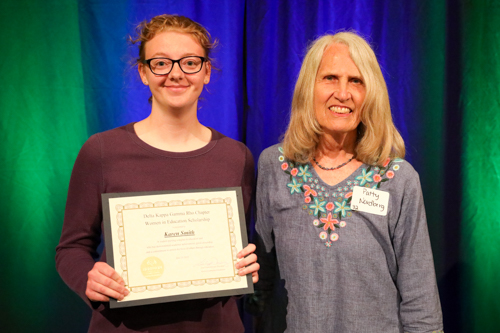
189	65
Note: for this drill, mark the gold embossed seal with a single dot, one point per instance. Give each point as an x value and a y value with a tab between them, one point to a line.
152	268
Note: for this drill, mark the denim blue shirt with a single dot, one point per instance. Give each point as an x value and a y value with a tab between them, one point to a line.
327	268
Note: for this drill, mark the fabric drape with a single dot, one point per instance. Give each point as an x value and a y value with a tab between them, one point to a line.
66	74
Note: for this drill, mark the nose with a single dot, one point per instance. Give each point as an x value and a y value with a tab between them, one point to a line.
342	93
176	72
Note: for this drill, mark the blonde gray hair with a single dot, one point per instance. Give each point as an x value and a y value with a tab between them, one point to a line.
378	138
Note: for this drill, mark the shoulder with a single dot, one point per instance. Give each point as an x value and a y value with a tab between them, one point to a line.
111	135
396	174
93	147
228	148
231	145
392	167
115	134
272	155
403	169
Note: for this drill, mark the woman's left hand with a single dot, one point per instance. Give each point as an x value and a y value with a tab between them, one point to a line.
249	263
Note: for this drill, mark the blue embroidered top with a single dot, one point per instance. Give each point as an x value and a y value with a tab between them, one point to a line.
327	268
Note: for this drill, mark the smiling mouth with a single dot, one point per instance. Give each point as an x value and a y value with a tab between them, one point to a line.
177	89
340	109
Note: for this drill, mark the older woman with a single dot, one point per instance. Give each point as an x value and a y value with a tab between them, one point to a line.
343	240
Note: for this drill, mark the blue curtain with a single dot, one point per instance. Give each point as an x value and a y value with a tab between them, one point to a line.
67	73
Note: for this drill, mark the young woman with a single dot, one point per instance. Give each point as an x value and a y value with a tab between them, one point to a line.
169	150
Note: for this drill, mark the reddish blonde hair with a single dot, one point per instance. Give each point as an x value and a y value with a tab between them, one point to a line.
147	30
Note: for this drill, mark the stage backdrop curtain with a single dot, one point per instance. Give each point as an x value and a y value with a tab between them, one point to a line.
66	69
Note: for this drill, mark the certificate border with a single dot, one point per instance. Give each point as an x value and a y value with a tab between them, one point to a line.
113	303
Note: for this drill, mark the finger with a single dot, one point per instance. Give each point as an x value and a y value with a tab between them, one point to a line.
95	296
250	248
103	277
247	261
109	272
249	269
106	286
98	291
99	280
255	277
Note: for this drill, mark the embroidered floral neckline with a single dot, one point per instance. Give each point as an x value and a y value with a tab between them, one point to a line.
330	206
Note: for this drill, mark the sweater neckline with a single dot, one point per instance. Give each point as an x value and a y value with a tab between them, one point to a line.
340	183
188	154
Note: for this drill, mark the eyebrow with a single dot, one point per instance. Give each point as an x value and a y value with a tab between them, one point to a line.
164	55
327	73
356	77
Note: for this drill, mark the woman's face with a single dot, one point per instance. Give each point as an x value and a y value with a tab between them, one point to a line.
176	90
339	91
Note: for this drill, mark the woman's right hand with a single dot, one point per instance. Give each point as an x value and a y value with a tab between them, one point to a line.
104	282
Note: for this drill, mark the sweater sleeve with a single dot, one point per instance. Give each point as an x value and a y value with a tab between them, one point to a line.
81	233
420	308
248	183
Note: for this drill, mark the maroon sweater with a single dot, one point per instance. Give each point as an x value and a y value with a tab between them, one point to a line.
118	161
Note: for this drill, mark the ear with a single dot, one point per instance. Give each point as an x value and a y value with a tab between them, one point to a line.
208	69
141	68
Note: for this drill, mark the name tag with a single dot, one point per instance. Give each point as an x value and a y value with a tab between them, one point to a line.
369	200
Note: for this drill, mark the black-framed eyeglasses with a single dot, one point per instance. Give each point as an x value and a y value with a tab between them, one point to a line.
163	66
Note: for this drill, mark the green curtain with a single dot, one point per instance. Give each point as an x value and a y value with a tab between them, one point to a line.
481	164
42	129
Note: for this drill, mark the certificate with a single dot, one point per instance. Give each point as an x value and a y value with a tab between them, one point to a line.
176	245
